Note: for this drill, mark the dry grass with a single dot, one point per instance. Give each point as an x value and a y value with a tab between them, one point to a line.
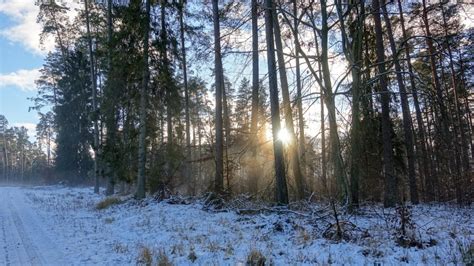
467	253
304	237
107	202
145	257
255	258
192	255
109	220
120	248
163	259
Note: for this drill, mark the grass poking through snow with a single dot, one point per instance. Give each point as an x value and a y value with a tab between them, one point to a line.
107	202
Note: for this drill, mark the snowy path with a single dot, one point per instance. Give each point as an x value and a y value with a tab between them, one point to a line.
24	240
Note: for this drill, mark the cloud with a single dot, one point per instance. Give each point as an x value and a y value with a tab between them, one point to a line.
24	30
23	79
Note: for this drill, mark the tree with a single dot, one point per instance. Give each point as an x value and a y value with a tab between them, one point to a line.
281	192
3	131
55	22
299	96
459	130
45	133
253	181
94	101
140	193
186	90
352	45
292	145
219	79
73	92
329	99
22	160
391	186
109	111
421	129
129	101
441	106
407	122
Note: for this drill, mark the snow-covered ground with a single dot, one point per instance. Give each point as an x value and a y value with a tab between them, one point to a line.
61	226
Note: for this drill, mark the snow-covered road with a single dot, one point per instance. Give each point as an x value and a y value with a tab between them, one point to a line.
23	236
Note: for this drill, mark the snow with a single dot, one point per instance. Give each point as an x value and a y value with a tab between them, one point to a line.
61	225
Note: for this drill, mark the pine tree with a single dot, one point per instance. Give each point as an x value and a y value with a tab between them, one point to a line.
219	76
281	193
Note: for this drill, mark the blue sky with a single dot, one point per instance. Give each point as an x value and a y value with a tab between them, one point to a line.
20	59
14	58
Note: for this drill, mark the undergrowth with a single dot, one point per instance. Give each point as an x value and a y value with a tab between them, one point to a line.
107	202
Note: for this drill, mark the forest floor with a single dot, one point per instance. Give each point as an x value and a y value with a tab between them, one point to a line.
63	226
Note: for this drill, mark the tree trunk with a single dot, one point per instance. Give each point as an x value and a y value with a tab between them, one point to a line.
219	75
110	110
94	102
323	145
186	95
429	146
226	121
352	47
169	104
299	101
407	122
292	145
48	153
254	171
140	193
419	118
443	120
329	99
4	149
466	103
356	102
391	184
463	145
281	188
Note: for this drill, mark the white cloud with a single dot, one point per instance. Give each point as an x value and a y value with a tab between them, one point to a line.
24	30
23	79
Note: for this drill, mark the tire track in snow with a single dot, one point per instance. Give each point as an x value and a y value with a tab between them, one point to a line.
4	241
23	232
31	250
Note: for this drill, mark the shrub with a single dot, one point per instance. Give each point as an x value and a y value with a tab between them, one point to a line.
406	228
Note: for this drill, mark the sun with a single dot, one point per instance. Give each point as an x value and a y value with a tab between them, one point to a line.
284	136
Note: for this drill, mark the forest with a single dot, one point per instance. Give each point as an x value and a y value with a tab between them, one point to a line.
350	103
387	100
245	132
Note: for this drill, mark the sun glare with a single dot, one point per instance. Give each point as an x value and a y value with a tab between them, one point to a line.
284	136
